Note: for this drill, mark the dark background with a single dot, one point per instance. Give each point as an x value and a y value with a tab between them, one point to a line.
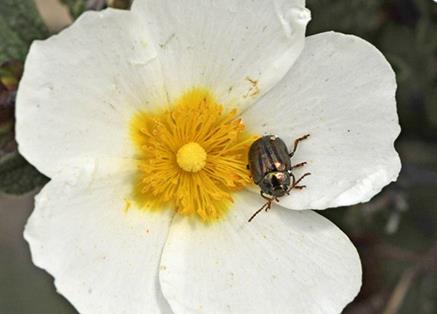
395	233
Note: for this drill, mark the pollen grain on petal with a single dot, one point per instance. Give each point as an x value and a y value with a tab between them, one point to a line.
191	156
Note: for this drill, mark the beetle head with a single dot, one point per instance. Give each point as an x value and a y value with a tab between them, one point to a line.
275	183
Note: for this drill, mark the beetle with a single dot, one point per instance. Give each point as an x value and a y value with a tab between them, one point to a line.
271	168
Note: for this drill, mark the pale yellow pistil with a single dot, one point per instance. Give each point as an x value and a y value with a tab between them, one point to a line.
191	156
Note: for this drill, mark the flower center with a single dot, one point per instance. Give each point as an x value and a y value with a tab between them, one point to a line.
191	157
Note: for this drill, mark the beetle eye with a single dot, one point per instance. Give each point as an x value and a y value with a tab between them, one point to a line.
275	181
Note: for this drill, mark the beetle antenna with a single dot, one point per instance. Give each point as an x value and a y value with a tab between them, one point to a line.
266	206
257	212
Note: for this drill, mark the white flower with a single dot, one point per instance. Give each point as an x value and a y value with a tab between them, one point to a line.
113	72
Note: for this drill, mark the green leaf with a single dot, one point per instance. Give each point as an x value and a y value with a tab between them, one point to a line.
359	16
76	7
20	24
17	176
119	4
11	45
431	105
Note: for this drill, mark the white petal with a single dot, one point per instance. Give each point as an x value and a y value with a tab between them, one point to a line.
81	88
281	262
341	91
223	44
104	259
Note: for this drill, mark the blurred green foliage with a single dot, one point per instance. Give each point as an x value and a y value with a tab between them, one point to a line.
20	24
395	233
77	7
361	16
17	176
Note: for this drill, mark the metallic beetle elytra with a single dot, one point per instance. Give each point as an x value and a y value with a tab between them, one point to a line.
271	168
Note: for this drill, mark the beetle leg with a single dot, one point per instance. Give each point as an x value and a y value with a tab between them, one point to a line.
299	187
264	196
247	167
299	165
293	179
295	183
296	142
300	179
269	205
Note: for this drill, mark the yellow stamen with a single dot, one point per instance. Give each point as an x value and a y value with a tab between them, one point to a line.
192	156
